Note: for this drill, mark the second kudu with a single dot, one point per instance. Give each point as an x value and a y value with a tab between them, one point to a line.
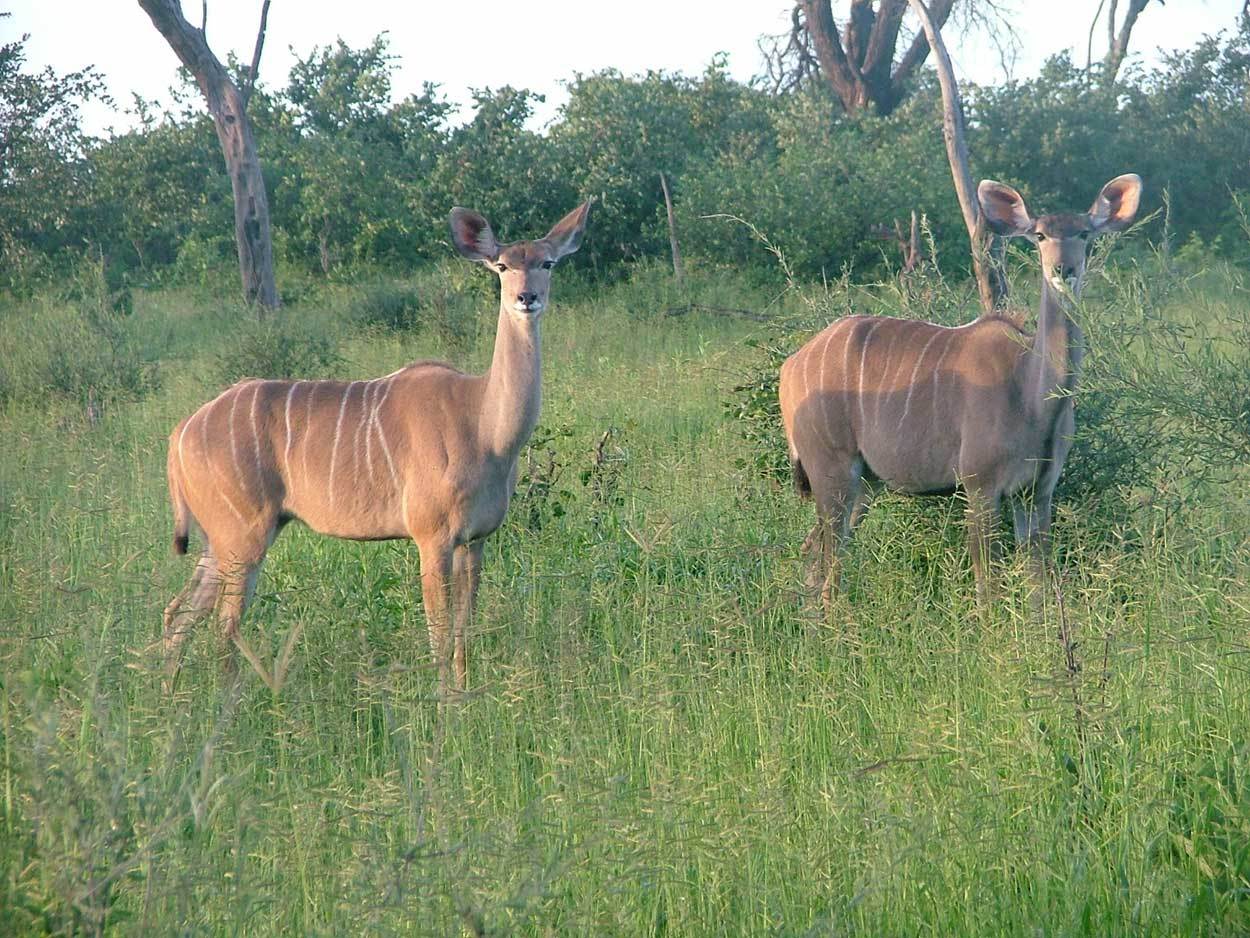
427	453
923	409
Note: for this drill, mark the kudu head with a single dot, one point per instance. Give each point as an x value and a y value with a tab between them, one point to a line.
523	267
1061	239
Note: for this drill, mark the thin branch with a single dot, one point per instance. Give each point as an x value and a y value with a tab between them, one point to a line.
1093	25
204	20
991	287
260	45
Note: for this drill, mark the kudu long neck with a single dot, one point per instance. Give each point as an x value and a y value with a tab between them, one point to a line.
1055	348
513	385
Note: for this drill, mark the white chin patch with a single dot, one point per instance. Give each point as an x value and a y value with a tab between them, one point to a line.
531	309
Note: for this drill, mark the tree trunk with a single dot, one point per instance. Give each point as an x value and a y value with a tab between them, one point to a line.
991	285
678	272
859	65
228	106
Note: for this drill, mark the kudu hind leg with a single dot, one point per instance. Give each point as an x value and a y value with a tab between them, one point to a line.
238	586
838	507
193	604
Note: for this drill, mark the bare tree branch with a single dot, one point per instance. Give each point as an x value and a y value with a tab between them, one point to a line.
260	45
1118	46
1089	45
991	287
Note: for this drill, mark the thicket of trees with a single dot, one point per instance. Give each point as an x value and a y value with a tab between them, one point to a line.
358	175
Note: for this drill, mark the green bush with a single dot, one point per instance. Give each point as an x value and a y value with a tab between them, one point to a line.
79	349
281	347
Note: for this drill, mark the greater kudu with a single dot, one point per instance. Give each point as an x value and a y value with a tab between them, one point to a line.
427	452
922	409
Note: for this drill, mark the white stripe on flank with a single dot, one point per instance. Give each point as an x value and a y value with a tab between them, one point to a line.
229	504
911	386
937	370
234	437
260	473
820	387
884	388
308	416
807	367
286	453
204	413
338	427
182	463
863	364
366	421
360	426
376	424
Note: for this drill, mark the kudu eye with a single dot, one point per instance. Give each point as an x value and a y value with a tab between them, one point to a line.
547	265
501	267
1040	237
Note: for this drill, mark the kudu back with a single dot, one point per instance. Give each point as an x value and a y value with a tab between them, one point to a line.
427	452
924	409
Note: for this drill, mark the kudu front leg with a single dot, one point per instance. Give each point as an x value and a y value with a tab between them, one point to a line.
466	575
437	565
1031	524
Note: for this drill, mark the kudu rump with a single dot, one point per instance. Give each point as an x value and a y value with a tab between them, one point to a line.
921	409
427	452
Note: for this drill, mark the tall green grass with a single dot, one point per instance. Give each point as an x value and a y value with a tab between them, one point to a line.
662	738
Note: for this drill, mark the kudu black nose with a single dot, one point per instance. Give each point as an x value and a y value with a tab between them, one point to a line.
526	298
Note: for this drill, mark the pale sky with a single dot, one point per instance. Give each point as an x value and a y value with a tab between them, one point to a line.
534	45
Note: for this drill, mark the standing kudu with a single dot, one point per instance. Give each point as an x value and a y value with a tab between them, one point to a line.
427	452
921	409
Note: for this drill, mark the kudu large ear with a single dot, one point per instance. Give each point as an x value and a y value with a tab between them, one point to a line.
1116	206
1003	208
566	236
471	235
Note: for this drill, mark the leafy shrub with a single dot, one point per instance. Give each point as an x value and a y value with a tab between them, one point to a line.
80	350
1209	829
281	347
394	306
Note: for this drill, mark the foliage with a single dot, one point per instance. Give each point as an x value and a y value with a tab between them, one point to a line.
80	346
44	163
358	178
277	348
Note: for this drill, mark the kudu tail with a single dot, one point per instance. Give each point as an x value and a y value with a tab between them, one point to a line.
802	484
182	514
